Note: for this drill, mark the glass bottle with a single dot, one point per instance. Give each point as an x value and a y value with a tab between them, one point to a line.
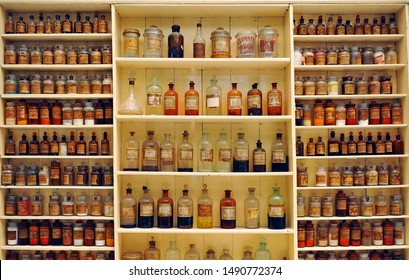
185	210
251	210
199	43
192	102
165	210
213	98
240	154
10	145
154	98
185	154
23	145
167	154
351	144
205	154
150	153
130	106
204	210
151	253
45	145
192	254
9	24
227	211
330	27
67	24
21	26
145	209
311	27
131	153
376	27
81	145
223	154
358	28
226	255
274	101
279	157
340	27
172	253
276	210
254	101
234	101
302	27
105	144
349	29
262	253
175	43
393	27
398	145
48	26
259	158
299	146
380	147
210	255
78	24
333	145
34	145
171	101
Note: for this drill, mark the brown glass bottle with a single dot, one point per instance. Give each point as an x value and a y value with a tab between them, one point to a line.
23	145
333	145
379	145
351	144
302	27
361	145
299	147
274	101
384	26
54	145
81	146
320	29
367	27
340	27
320	147
105	145
78	24
388	144
259	158
370	145
254	101
34	145
99	117
376	28
191	101
358	28
398	145
165	210
234	101
171	101
343	146
10	145
311	147
45	145
92	145
227	211
108	112
72	145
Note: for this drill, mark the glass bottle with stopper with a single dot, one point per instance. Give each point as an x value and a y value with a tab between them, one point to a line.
131	106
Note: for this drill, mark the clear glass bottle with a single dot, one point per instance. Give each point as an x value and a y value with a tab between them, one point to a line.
130	153
205	154
240	154
192	254
151	253
154	98
276	210
199	43
150	153
172	253
145	209
262	253
165	210
204	210
130	106
185	154
167	154
185	210
223	154
279	157
227	211
251	210
213	98
226	255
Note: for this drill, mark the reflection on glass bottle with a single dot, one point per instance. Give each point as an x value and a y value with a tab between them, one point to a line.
251	210
172	253
165	210
279	158
226	255
205	154
151	253
185	210
262	253
128	209
259	158
227	211
154	98
192	254
150	153
223	154
204	210
276	210
240	154
130	106
175	42
167	154
185	154
131	153
145	210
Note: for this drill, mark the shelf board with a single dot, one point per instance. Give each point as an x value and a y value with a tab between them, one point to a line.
62	218
350	97
59	248
357	248
70	37
350	67
350	157
203	119
204	174
56	96
205	231
387	38
353	187
56	157
334	218
57	67
59	187
50	126
343	127
204	63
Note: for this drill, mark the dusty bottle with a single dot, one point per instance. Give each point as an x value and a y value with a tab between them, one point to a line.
274	101
154	98
205	154
227	211
167	154
131	153
175	43
145	209
199	43
251	210
192	101
204	210
128	209
254	101
240	154
213	98
234	101
276	210
165	210
150	153
185	154
279	157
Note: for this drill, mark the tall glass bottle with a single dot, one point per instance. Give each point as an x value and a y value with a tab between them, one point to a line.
259	158
240	154
131	106
234	102
165	210
213	98
172	253
276	210
199	43
185	210
128	209
254	101
274	101
204	210
150	153
262	253
192	101
251	210
192	254
145	209
185	154
151	253
170	101
154	98
175	42
130	153
279	157
205	154
227	211
167	154
223	154
11	144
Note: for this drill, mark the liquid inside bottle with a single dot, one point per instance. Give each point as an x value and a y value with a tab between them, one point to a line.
185	154
175	43
185	210
254	101
204	210
274	101
279	157
205	154
199	43
234	101
165	210
252	210
145	210
240	154
191	101
150	153
227	211
154	98
167	154
171	101
259	158
276	210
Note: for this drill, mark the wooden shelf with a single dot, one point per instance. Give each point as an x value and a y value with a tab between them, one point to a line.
350	97
57	157
204	119
384	38
57	67
50	126
70	37
204	174
383	187
60	187
349	157
356	248
57	96
350	67
334	218
62	218
346	127
59	248
205	231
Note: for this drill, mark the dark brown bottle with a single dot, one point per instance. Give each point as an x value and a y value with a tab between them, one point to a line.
78	24
99	113
376	28
340	27
398	146
370	145
379	145
67	24
361	145
302	27
384	26
72	145
311	147
10	145
165	210
54	145
23	145
351	144
34	145
320	29
81	145
105	145
349	29
299	147
388	144
227	211
343	146
259	158
367	27
175	42
358	29
320	147
45	145
92	146
333	145
108	112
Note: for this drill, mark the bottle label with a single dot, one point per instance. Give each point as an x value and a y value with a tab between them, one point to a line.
80	149
228	213
146	209
334	148
170	102
199	50
234	102
278	157
213	102
274	99
206	155
299	89
185	211
276	211
192	103
186	154
96	88
22	148
131	44
35	59
252	213
165	210
204	210
259	158
224	155
132	153
107	89
149	154
320	179
242	154
153	99
166	155
254	101
85	88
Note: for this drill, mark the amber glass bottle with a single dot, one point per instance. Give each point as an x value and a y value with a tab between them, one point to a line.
388	144
320	147
370	145
81	145
343	146
227	211
254	101
398	145
54	145
34	145
72	145
361	145
379	145
171	101
45	145
191	101
165	210
10	145
259	158
23	145
351	144
234	101
93	145
299	145
105	145
274	101
333	145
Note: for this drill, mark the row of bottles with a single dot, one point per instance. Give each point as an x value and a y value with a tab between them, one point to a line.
60	255
140	213
174	253
99	25
222	157
352	255
158	103
345	29
55	147
352	147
